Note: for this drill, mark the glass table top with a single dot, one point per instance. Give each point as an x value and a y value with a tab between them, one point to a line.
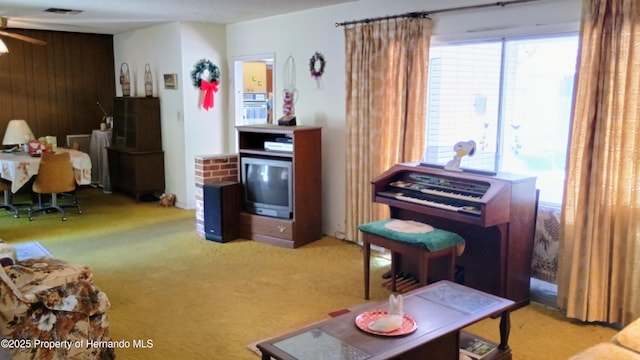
315	344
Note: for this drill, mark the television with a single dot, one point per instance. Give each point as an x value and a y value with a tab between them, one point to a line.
268	186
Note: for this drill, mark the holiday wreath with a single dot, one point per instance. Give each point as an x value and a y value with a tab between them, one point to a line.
316	70
200	67
208	85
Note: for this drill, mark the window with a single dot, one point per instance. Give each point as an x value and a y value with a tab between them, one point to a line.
513	98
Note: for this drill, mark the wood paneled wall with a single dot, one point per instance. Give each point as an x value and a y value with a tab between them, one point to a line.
56	87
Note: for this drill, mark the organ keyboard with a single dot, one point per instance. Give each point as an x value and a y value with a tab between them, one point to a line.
494	213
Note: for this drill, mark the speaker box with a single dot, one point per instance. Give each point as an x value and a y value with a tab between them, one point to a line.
222	205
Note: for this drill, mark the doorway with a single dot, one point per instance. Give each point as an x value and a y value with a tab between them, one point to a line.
254	87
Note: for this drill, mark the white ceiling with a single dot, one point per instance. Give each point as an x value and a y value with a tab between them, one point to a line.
116	16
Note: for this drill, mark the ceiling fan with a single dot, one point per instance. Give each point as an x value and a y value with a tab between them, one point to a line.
3	32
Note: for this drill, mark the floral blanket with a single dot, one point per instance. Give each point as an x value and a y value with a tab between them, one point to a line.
52	310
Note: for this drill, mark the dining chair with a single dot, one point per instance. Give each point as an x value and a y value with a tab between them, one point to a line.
5	187
55	177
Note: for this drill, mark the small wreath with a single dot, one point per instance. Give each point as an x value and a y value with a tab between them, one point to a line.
316	70
200	67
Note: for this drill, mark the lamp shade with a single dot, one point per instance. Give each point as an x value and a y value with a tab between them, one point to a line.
18	132
3	48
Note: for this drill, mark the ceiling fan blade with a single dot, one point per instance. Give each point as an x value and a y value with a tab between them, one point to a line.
23	38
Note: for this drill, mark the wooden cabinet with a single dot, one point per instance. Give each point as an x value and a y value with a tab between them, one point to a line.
254	74
136	173
305	224
136	159
136	124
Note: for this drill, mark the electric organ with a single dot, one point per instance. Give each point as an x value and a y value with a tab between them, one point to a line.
494	213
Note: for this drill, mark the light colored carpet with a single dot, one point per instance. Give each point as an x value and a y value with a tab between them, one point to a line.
197	299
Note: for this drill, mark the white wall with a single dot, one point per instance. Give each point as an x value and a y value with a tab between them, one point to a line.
205	131
301	34
187	129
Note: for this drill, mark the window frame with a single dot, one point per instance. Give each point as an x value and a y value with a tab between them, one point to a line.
500	134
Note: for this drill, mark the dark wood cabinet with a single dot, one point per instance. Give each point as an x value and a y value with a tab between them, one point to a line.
136	124
136	159
305	224
136	173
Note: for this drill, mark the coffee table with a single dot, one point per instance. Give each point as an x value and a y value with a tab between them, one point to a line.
440	312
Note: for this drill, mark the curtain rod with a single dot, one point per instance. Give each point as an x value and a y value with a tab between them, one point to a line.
425	14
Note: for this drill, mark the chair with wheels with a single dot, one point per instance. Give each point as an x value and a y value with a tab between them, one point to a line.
55	177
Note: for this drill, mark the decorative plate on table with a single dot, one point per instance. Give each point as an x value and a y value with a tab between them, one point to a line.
363	320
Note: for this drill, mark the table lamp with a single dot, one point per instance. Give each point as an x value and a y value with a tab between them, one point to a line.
17	133
3	48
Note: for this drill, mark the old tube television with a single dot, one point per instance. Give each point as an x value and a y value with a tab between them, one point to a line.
267	186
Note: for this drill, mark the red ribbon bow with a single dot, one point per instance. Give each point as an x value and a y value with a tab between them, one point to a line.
209	88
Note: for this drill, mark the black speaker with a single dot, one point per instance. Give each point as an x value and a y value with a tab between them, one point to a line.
222	204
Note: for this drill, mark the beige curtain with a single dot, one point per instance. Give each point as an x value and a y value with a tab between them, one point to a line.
386	75
599	255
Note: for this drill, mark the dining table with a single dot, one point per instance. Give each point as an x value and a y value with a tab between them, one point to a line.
19	167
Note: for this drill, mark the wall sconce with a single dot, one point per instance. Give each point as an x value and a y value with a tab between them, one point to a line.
3	48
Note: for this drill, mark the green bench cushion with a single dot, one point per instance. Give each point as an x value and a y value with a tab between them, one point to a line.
434	240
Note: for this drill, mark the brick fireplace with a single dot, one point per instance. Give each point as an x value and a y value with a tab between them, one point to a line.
211	169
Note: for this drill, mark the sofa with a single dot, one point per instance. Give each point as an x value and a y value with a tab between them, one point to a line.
50	309
625	345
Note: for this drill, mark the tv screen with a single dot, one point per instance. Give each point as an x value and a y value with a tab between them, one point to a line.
267	185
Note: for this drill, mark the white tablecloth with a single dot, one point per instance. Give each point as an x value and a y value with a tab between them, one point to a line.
19	167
